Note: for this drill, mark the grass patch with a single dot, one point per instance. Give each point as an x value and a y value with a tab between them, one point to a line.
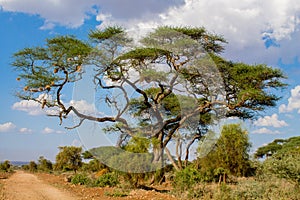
117	193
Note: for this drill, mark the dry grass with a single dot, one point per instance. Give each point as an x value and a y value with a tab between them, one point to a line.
244	189
2	197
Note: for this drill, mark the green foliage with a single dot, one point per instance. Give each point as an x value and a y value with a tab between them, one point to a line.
138	144
32	166
109	179
186	179
230	153
5	166
210	42
87	155
141	54
278	145
285	159
101	35
69	158
271	188
170	57
25	167
124	160
46	69
248	87
284	164
117	193
44	164
92	166
81	179
243	189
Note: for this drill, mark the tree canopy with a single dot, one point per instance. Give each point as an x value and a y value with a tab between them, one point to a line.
278	145
283	158
68	158
171	85
231	152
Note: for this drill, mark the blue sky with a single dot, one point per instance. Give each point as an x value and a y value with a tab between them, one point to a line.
257	32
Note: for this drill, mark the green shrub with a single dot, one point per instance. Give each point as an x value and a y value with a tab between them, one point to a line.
5	166
186	179
32	166
81	179
272	188
283	165
246	189
109	179
117	193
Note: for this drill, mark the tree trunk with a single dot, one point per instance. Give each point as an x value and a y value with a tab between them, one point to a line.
172	160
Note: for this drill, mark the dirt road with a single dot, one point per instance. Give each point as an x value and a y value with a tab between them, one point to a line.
25	186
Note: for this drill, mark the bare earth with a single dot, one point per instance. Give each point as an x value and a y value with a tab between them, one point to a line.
25	186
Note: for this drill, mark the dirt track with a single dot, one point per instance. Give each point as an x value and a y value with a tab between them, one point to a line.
25	186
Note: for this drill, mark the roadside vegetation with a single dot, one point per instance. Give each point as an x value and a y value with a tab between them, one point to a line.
227	172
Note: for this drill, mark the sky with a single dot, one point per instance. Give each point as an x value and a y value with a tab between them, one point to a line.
257	32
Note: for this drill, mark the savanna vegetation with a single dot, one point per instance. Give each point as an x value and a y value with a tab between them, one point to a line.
168	90
227	172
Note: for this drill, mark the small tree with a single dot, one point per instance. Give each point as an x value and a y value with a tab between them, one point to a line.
44	164
284	160
32	166
230	153
69	158
284	164
5	166
94	165
276	146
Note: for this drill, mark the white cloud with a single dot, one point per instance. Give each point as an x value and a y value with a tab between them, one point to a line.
25	130
48	130
272	121
33	107
71	13
7	127
84	107
265	131
242	23
293	101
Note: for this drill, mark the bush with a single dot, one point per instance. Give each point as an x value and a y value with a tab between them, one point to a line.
81	179
245	189
32	166
5	166
186	179
44	164
283	165
109	179
272	188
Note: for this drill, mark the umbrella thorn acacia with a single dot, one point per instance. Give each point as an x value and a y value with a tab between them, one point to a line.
170	86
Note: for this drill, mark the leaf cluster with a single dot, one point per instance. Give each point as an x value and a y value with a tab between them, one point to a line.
278	145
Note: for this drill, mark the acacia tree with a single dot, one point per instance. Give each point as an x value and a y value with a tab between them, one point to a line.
68	158
278	145
173	85
44	164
